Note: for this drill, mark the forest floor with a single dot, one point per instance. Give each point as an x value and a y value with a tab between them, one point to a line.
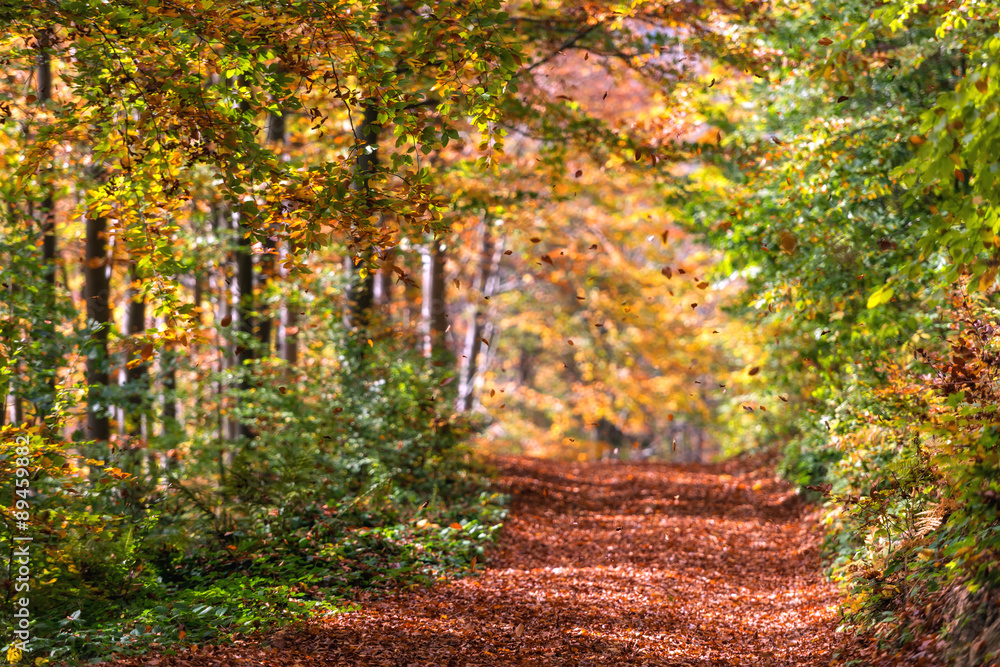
599	564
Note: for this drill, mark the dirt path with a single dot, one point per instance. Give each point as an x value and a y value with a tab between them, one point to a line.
604	564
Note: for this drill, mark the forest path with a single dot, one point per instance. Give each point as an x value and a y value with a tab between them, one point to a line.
604	564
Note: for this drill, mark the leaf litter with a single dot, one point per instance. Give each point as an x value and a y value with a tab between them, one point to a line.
599	564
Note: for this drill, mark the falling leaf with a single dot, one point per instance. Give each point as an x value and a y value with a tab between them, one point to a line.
547	259
753	371
493	392
777	141
605	96
370	343
282	390
456	526
579	173
508	252
667	272
182	634
826	41
670	417
783	399
917	140
712	84
535	239
519	630
226	320
702	285
788	242
569	341
447	381
842	98
693	306
458	283
593	246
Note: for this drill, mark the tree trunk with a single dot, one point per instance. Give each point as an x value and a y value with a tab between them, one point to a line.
359	296
433	315
98	316
288	321
383	280
136	377
43	91
47	333
488	257
243	300
288	329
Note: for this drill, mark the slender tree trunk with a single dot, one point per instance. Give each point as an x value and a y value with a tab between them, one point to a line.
360	290
98	316
433	316
47	333
168	369
243	300
135	378
43	91
477	318
382	294
288	331
288	321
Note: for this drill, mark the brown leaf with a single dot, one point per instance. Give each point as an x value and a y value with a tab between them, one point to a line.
788	241
226	320
826	41
753	371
